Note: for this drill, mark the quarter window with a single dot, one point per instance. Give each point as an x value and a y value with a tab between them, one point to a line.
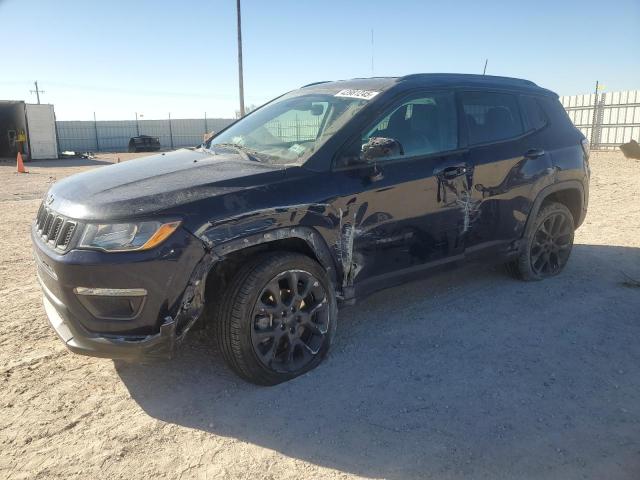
491	117
423	125
534	117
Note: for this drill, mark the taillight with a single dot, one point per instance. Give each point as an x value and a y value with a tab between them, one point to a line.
585	148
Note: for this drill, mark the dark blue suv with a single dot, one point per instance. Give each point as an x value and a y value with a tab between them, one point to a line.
319	197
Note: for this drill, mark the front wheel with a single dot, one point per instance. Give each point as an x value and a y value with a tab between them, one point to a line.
277	318
548	246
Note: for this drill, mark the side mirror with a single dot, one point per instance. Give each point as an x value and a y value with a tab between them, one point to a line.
316	110
377	148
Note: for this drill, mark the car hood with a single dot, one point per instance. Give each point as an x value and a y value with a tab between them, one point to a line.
154	183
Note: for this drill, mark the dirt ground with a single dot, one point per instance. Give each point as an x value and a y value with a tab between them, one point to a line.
468	374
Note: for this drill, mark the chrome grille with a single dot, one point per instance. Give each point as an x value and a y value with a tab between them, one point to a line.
54	229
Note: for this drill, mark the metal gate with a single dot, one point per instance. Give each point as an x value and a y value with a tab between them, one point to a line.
607	119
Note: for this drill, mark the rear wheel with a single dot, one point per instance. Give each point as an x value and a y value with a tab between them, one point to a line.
548	247
277	318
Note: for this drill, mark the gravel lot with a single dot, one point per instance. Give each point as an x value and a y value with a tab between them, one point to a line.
468	374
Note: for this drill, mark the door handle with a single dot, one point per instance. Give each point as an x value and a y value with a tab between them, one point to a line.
449	173
534	153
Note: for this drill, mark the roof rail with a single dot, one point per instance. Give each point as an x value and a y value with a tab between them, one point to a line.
468	76
314	83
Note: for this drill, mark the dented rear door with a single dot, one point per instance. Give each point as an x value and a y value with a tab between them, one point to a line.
507	162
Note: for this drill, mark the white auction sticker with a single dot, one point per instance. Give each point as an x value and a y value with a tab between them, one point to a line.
354	93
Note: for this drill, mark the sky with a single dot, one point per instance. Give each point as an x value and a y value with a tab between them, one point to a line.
116	58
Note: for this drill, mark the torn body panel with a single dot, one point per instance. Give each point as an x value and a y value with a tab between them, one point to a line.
396	219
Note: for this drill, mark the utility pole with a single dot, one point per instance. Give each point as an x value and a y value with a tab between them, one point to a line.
372	52
137	126
240	81
37	91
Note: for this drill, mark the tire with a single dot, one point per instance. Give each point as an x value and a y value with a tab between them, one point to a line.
269	332
547	248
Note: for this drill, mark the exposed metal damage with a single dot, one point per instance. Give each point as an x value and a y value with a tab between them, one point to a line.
470	209
351	261
191	305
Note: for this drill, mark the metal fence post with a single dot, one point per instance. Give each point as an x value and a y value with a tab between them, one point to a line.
170	131
598	119
95	127
593	119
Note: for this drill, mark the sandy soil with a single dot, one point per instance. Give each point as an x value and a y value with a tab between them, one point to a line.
466	375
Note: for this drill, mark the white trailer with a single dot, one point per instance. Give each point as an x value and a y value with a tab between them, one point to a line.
39	124
41	131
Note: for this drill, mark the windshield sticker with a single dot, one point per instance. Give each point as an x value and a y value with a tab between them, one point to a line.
355	93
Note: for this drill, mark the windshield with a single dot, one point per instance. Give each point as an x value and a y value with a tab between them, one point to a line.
289	129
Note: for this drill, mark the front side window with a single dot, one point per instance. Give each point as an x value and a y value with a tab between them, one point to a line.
423	125
491	117
290	129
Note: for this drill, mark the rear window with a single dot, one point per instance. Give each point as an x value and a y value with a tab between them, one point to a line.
491	117
534	117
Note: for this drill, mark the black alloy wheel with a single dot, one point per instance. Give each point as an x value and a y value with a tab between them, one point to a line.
276	317
546	249
290	321
551	245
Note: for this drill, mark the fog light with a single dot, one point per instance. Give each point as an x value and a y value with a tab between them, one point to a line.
112	303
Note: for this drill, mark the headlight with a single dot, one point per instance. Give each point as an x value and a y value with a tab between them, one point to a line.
125	237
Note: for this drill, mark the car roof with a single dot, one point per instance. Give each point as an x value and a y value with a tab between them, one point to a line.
429	80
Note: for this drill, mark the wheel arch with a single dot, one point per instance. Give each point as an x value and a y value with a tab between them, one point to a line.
569	193
232	254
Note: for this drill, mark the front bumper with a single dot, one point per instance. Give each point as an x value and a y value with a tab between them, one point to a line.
166	273
78	340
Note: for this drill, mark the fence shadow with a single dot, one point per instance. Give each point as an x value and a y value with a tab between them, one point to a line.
468	373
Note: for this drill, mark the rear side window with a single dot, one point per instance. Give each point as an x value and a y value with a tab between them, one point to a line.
534	117
491	117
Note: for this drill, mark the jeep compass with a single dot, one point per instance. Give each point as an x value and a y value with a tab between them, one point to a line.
318	198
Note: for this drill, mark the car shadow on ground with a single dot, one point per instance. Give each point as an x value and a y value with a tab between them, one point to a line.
66	162
468	373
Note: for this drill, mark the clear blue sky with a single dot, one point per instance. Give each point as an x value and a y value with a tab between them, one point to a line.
117	57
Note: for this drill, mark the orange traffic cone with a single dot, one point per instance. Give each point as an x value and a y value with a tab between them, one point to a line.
20	165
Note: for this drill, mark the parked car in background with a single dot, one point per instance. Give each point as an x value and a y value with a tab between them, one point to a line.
144	143
316	199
